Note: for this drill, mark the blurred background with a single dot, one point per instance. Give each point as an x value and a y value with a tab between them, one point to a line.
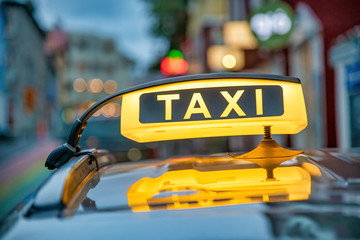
58	57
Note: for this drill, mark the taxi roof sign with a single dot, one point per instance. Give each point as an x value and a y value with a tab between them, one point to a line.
211	105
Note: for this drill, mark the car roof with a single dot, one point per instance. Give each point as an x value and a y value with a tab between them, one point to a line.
103	209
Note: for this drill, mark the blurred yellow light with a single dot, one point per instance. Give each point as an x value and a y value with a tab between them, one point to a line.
95	85
110	86
229	61
79	85
217	53
238	34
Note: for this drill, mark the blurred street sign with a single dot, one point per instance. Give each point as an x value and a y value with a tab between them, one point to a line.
272	24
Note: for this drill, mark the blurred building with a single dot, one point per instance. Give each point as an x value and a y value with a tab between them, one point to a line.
89	67
28	89
3	93
220	28
345	58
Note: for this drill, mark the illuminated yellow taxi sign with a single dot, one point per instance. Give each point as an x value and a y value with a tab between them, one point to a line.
213	107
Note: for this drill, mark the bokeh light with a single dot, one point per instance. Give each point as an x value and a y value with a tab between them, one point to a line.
95	85
79	85
110	86
134	154
229	61
108	110
68	115
173	66
174	53
117	109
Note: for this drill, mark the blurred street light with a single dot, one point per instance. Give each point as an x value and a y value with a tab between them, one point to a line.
220	57
238	34
174	63
79	85
95	85
229	61
110	86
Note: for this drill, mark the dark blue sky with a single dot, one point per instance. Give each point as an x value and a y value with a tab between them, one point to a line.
128	22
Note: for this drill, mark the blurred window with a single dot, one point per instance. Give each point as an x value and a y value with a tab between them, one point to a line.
81	66
83	44
355	119
108	46
109	68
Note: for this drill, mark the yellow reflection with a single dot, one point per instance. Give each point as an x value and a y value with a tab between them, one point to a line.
95	85
229	61
190	188
311	168
79	85
110	86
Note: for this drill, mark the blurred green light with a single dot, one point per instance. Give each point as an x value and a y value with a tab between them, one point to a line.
174	53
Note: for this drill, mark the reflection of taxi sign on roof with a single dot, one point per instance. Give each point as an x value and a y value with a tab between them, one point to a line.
190	188
223	105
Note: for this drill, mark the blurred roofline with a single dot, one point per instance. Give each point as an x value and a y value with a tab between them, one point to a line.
28	7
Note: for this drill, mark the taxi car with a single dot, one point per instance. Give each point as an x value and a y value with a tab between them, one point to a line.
267	193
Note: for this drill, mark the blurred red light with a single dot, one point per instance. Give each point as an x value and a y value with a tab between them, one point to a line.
173	66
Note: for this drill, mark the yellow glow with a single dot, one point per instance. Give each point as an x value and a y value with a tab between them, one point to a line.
95	85
311	168
293	120
220	57
238	34
79	85
110	86
217	188
229	61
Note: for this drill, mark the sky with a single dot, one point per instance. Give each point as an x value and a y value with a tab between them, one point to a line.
127	22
